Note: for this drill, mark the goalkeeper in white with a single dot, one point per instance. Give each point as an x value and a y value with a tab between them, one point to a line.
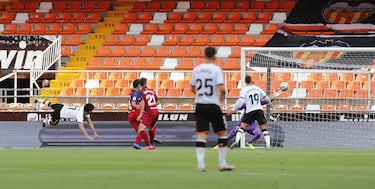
252	95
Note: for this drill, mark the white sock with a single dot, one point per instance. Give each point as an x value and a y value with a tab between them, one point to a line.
200	153
238	135
222	153
267	138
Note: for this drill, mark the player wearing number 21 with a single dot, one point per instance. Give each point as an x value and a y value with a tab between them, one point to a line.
149	112
208	85
252	95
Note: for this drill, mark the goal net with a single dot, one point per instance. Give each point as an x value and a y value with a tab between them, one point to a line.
330	101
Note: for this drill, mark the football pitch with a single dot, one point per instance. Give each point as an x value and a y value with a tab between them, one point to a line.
171	168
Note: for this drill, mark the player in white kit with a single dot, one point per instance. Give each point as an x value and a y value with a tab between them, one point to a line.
80	113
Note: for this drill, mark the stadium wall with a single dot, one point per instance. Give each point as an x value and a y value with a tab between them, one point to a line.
338	134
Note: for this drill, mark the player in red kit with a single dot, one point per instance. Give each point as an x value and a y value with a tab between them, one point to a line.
149	112
134	110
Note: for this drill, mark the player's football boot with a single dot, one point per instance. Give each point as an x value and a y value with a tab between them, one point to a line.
149	147
250	146
201	169
233	145
216	147
227	168
137	146
157	141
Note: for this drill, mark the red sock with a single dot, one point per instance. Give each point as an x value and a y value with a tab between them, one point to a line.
152	134
138	139
144	136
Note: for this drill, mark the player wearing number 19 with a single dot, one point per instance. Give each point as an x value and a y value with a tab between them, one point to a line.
208	85
252	95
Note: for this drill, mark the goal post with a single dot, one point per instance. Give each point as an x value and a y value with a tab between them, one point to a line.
331	93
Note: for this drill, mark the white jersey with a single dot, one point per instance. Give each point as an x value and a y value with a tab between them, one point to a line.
76	113
206	78
251	95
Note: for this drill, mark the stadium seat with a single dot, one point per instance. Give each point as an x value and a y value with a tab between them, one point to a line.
139	6
194	28
356	85
225	28
193	52
338	84
209	28
234	92
25	29
240	28
346	93
180	28
242	5
345	108
100	76
248	17
167	84
331	76
186	40
188	93
150	28
227	6
286	6
75	83
10	29
81	91
271	6
83	28
233	17
126	40
330	93
261	40
203	17
362	93
93	18
186	106
174	92
165	28
97	92
174	17
123	83
144	17
66	51
212	6
171	40
328	108
231	40
182	84
64	17
201	40
7	18
141	40
246	40
163	51
17	7
177	52
69	28
197	6
170	106
218	17
257	6
88	6
162	76
67	91
270	29
106	83
297	108
133	51
78	17
167	6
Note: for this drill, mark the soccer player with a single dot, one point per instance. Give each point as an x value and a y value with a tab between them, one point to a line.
78	113
251	95
134	111
149	112
251	129
207	83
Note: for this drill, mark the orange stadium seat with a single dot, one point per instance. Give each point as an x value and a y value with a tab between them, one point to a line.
240	28
246	40
201	40
106	83
112	40
203	17
148	51
194	28
189	17
97	92
218	17
133	51
227	6
69	28
122	83
165	28
225	28
102	6
103	51
173	17
197	6
83	28
338	84
25	29
139	64
345	108
182	84
163	51
270	29
10	29
17	7
7	18
66	51
171	40
231	40
167	6
186	40
81	91
186	106
176	92
167	84
210	28
109	64
139	6
121	29
118	51
346	93
141	40
316	76
234	92
162	76
286	6
124	63
67	91
150	28
170	106
272	6
233	17
59	6
356	85
329	108
153	6
330	93
88	6
193	51
242	5
161	92
331	76
75	83
144	17
129	17
64	17
127	40
93	18
180	28
261	40
212	6
49	17
257	6
178	52
216	40
35	17
248	17
74	40
188	93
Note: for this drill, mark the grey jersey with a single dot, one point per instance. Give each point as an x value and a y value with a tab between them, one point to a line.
205	79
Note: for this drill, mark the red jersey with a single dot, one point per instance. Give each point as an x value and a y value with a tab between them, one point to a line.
134	97
150	99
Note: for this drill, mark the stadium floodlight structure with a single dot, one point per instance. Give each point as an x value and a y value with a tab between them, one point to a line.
330	98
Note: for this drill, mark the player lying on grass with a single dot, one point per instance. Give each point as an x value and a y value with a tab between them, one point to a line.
252	129
79	113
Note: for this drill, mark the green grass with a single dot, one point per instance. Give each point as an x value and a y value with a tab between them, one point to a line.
170	168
